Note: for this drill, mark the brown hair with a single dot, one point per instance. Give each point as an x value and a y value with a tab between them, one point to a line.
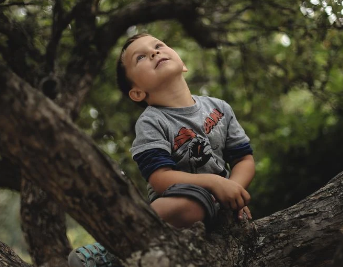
124	83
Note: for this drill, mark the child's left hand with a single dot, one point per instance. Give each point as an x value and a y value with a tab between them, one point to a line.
246	211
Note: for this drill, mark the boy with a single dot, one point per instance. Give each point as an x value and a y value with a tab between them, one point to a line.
183	141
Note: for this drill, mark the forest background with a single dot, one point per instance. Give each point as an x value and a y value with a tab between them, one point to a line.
279	64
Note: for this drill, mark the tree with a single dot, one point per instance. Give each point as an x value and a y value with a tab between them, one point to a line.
42	91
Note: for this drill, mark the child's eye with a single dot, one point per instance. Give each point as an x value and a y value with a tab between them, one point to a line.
158	46
140	57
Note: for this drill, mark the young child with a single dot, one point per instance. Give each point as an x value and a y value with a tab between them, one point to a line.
183	142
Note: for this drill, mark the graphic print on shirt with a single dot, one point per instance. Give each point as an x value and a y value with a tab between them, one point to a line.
194	151
212	120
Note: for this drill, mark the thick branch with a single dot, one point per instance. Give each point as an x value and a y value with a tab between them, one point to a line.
9	258
305	234
9	175
149	11
42	217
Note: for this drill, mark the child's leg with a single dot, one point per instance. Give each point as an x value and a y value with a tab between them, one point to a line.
184	204
179	211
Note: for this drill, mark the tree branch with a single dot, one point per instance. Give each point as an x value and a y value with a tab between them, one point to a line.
9	175
86	61
9	258
60	22
148	11
19	49
306	233
43	217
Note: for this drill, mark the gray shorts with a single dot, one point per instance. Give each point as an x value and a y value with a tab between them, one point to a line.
204	197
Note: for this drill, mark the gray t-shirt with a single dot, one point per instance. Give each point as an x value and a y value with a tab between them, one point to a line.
195	136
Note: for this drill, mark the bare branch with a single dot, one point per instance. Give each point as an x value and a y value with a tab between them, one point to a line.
60	22
20	48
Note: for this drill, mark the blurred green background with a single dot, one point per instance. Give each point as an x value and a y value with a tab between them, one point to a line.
280	70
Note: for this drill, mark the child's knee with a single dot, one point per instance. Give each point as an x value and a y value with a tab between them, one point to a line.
179	211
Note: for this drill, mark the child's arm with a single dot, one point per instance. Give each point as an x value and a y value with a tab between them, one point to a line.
243	170
228	192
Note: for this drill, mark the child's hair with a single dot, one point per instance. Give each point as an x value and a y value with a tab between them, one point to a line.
124	83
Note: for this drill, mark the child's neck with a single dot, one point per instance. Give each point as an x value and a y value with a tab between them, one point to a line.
174	94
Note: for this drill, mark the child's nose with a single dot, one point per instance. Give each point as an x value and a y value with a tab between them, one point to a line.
154	53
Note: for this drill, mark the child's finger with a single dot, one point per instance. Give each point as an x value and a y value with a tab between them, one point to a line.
240	203
246	197
240	214
247	212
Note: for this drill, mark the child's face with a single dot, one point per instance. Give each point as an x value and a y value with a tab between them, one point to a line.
150	64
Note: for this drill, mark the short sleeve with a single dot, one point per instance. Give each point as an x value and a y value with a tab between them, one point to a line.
235	133
151	133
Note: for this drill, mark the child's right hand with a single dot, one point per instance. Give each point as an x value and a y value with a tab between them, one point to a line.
230	194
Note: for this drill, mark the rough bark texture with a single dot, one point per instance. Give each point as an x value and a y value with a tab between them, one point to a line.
44	227
9	175
306	234
9	258
45	143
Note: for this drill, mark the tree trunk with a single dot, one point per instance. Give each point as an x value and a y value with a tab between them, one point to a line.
70	167
44	227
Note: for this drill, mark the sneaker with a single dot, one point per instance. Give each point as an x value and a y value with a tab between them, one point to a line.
94	255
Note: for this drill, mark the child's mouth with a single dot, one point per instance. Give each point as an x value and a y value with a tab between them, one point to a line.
160	61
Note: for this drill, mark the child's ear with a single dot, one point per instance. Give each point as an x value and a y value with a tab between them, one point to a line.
137	94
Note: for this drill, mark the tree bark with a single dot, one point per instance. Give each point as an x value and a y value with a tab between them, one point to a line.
338	259
306	234
9	258
41	138
44	227
9	175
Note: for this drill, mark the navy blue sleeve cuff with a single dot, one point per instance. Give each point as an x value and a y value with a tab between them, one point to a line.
237	152
152	159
